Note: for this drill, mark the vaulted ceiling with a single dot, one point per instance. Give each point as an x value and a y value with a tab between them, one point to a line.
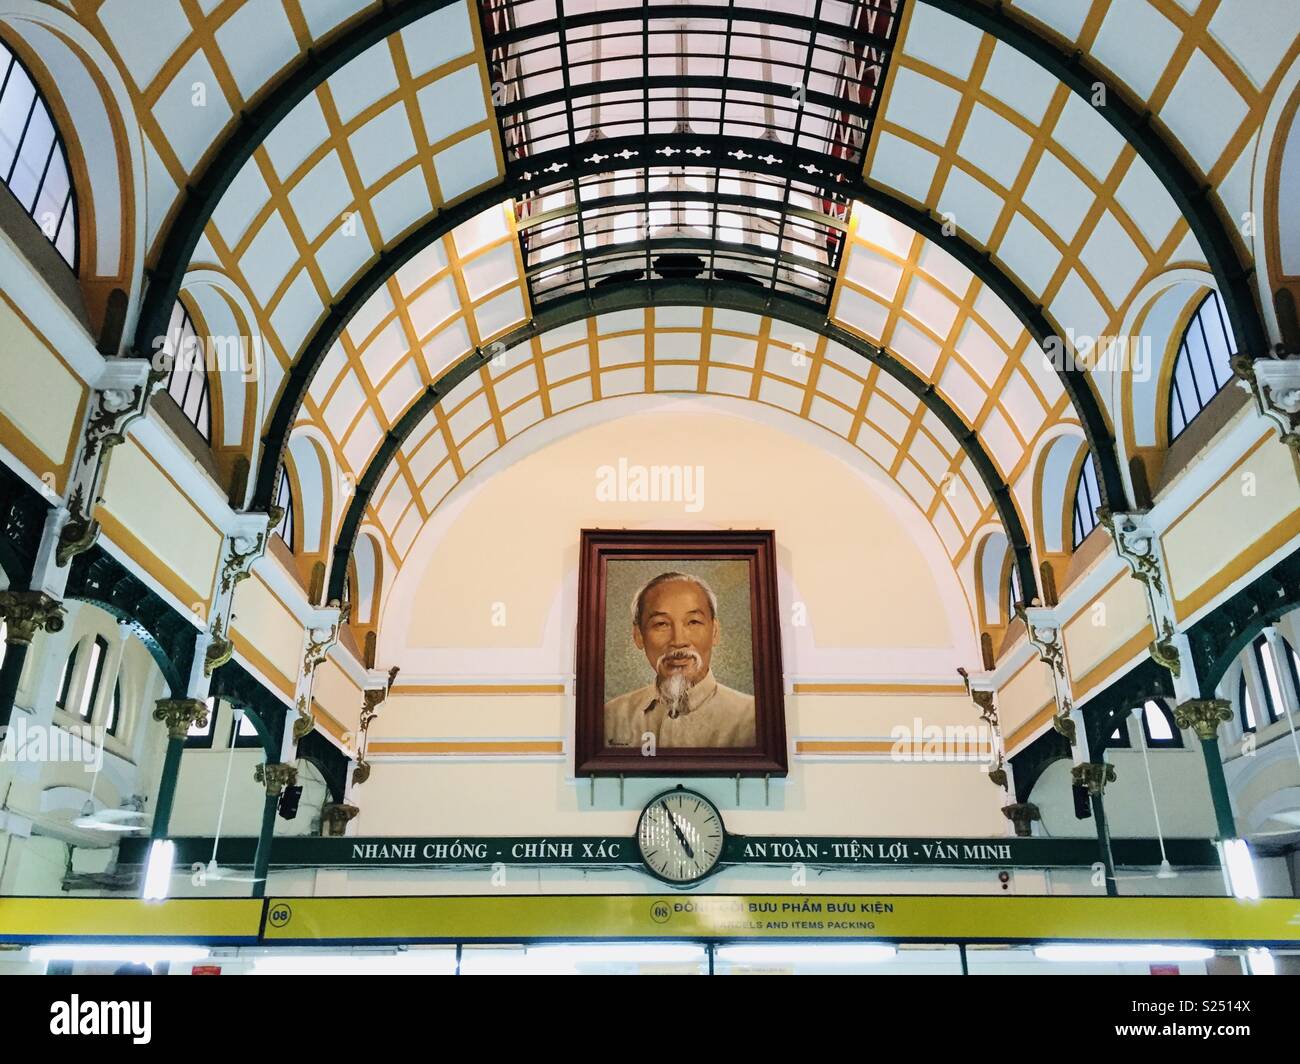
451	222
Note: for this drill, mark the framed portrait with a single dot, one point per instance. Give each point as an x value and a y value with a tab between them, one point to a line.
679	655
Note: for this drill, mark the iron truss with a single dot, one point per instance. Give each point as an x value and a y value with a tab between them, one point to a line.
686	141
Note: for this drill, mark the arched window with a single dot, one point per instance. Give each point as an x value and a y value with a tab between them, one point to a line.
1158	725
187	382
1014	593
1201	367
33	162
1268	682
94	675
65	680
244	733
284	500
114	710
1086	500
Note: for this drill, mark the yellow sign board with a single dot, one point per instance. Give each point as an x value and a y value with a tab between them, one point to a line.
887	917
891	918
218	919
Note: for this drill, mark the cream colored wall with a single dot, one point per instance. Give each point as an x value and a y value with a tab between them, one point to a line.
151	519
41	401
340	697
1022	698
266	632
881	599
538	797
1106	633
1255	508
867	578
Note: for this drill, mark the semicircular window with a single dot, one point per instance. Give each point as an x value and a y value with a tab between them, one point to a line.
1203	364
284	502
651	148
1087	498
187	381
33	160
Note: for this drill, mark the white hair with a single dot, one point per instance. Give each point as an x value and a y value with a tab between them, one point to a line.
638	600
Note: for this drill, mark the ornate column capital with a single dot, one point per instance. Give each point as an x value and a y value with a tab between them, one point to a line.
1022	815
1093	775
275	776
1203	716
180	714
336	816
27	612
1274	383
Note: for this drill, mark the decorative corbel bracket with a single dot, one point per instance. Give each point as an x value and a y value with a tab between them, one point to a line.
121	395
371	699
221	649
1138	545
1274	383
1044	635
245	543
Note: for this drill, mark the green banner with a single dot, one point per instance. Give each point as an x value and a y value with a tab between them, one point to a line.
592	851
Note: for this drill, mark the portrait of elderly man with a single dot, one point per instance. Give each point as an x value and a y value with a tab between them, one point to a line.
675	624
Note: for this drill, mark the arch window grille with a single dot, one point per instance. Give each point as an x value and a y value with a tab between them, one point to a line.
187	380
33	159
1087	498
1202	366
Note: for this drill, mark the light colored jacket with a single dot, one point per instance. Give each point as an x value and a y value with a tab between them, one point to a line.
716	716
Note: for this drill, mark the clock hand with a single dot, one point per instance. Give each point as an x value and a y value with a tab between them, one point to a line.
680	837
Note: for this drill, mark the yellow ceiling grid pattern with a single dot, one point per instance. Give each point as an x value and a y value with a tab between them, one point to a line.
684	350
232	49
402	129
907	294
1207	70
976	131
459	294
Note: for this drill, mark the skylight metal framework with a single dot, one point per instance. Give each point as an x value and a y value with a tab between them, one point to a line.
697	91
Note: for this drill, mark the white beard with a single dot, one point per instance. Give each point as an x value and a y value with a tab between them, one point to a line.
675	688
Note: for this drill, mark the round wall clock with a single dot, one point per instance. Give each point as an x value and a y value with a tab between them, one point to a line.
680	836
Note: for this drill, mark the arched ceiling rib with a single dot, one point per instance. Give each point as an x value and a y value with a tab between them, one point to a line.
1221	42
389	127
614	345
1201	110
467	288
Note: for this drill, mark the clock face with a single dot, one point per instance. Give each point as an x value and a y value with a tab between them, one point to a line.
680	836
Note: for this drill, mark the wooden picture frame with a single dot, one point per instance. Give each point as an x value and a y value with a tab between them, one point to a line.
613	561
